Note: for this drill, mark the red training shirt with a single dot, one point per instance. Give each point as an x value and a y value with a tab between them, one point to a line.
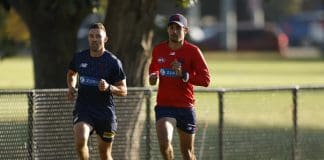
172	90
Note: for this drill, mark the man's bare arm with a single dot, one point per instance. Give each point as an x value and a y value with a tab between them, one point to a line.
71	81
118	88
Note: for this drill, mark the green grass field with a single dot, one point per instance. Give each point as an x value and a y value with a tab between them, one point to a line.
16	73
257	125
227	70
259	70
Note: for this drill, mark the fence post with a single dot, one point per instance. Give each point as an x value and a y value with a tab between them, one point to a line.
221	122
30	147
295	119
148	124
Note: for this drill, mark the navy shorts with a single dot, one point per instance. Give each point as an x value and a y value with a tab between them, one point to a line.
185	117
104	124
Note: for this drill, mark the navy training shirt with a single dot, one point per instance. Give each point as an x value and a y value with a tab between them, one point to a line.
90	71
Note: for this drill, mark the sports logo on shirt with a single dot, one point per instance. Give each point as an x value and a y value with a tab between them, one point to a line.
161	60
89	81
83	65
167	72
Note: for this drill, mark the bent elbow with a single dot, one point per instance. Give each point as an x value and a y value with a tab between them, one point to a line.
123	94
206	83
120	93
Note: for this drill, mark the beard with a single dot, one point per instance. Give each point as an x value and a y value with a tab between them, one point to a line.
174	38
94	47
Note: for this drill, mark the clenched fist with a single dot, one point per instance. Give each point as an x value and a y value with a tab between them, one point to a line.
103	85
153	78
71	94
176	66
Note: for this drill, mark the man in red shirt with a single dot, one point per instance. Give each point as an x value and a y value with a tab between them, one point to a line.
178	65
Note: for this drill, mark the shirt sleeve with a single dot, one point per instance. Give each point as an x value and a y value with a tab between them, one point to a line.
72	65
154	68
199	76
118	72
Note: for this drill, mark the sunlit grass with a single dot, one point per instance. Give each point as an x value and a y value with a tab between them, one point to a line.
259	70
252	121
227	70
16	73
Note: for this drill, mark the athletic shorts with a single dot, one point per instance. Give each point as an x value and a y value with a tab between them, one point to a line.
185	117
104	124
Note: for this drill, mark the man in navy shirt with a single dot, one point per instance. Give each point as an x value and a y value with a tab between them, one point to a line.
100	76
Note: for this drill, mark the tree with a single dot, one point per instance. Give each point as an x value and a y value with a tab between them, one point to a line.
12	38
130	29
275	10
53	26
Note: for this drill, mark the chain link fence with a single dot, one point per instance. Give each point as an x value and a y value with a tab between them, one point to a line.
255	123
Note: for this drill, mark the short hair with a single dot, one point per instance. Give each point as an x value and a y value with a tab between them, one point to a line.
97	26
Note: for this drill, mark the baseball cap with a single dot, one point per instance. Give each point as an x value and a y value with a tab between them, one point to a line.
179	19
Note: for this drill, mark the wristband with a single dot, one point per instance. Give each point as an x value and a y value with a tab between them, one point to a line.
185	77
74	89
154	74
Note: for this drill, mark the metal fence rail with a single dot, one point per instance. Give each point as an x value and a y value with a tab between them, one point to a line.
294	90
47	130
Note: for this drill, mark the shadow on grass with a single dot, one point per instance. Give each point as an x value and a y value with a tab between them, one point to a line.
255	143
239	143
14	140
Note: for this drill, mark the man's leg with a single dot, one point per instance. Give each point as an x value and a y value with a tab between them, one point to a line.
105	149
187	145
164	130
81	135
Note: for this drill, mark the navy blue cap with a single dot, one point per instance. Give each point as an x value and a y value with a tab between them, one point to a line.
178	19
